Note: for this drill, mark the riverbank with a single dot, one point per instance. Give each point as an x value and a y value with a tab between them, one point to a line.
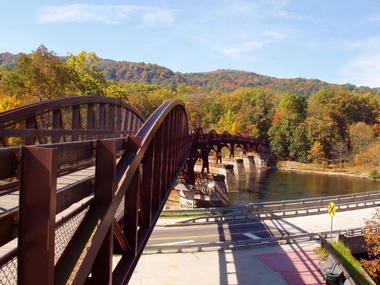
352	171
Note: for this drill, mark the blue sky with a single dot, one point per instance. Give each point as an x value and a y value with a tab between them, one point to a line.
332	40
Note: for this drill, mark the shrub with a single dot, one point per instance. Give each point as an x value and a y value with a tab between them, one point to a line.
372	239
374	174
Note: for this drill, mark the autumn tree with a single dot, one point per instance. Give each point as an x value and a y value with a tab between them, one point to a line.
316	152
285	135
299	144
40	76
254	108
372	239
87	79
361	136
323	130
344	109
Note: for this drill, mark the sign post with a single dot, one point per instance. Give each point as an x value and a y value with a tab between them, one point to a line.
331	209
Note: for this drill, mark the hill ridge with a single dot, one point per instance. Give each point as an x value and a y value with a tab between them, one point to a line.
215	80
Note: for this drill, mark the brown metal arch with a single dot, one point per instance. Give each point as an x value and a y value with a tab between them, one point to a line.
22	113
62	119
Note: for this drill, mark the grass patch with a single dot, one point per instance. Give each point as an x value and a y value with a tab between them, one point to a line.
173	215
321	252
374	174
169	215
352	265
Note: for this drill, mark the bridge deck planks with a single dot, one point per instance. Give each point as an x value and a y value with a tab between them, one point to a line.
11	200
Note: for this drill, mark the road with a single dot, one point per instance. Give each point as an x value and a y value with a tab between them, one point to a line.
257	229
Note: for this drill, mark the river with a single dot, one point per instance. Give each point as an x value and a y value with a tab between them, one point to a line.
282	185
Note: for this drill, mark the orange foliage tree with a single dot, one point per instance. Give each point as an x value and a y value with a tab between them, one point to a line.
372	239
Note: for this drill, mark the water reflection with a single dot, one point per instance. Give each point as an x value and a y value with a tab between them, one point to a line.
280	185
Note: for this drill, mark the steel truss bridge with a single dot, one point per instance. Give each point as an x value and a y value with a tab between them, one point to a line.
90	181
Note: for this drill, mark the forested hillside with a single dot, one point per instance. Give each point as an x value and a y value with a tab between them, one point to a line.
219	80
305	120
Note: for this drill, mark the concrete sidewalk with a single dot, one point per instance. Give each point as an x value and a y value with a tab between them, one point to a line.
294	264
277	265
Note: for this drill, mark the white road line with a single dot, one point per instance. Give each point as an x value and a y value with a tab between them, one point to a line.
226	225
174	243
252	236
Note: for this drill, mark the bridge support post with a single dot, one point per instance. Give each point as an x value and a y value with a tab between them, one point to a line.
105	174
37	216
190	175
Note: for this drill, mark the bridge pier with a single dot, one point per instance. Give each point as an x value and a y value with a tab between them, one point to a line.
249	164
213	187
259	160
230	177
239	167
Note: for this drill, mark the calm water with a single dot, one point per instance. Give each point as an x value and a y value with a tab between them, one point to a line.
281	185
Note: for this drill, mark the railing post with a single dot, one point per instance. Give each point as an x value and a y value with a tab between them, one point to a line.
102	119
75	124
90	120
148	170
157	173
131	205
57	124
37	216
118	119
111	118
105	174
30	124
131	213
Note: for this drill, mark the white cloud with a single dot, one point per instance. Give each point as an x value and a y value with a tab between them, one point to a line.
267	38
274	35
374	19
242	48
363	71
108	14
368	43
294	16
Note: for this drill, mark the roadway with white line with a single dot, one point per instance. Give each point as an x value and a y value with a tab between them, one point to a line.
257	229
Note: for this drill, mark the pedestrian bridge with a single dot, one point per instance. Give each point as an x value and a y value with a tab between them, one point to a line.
90	181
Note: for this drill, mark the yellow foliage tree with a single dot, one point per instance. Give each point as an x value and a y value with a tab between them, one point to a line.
316	152
8	103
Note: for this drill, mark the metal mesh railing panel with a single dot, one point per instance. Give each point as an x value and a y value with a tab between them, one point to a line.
65	231
8	272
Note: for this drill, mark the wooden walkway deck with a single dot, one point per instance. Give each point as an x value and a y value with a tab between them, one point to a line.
11	200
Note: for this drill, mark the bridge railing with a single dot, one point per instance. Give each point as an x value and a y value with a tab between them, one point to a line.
68	119
133	177
200	138
71	157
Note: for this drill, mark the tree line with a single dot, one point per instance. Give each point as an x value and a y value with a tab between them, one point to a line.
331	125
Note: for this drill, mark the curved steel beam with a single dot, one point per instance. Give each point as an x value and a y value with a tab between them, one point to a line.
31	110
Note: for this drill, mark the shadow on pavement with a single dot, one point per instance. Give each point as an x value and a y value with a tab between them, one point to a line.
265	265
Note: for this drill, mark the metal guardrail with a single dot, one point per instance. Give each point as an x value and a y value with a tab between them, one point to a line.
289	208
288	204
279	214
199	247
311	202
360	231
203	210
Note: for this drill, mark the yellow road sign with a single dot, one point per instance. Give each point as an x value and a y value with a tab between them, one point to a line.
331	209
